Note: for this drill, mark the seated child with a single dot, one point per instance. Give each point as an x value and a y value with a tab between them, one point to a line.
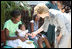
22	32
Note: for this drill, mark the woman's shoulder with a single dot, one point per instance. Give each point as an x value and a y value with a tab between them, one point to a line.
8	21
7	24
54	11
20	22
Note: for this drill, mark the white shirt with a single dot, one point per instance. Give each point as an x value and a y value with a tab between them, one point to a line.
56	18
18	42
22	33
63	20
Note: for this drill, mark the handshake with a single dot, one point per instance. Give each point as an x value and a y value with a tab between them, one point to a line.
32	34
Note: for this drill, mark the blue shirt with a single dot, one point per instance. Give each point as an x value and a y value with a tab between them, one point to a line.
36	25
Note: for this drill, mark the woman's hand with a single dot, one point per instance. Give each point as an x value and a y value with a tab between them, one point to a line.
29	34
58	39
26	36
33	34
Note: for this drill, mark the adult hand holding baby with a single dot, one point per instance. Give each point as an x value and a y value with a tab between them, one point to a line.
22	39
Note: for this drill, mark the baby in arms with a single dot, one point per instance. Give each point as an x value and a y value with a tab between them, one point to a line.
22	32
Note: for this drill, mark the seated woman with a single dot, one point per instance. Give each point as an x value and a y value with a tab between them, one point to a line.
11	25
22	32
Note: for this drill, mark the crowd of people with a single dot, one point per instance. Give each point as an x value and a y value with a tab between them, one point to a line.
56	26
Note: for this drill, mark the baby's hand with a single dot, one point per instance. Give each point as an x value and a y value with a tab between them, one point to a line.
29	34
26	36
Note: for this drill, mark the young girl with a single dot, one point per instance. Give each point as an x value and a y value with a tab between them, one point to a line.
22	32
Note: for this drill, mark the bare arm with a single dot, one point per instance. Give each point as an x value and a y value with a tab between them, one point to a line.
17	34
33	34
59	38
39	30
63	31
32	27
21	38
7	35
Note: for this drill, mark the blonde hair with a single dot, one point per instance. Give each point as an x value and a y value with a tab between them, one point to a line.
41	8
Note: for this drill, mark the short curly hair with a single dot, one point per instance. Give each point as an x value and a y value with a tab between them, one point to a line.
15	13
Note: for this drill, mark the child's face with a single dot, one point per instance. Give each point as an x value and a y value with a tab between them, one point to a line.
23	27
37	18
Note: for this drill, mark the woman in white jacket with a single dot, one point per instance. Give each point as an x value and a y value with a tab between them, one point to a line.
52	18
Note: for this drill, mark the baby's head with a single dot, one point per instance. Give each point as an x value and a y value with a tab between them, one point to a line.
22	27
